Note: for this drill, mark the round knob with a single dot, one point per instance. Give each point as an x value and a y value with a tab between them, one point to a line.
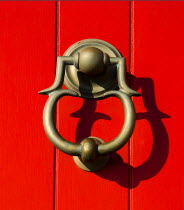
91	61
89	149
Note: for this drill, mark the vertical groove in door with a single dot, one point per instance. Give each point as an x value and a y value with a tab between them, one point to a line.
54	180
56	40
57	107
131	71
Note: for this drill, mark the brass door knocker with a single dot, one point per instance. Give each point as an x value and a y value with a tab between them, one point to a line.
90	68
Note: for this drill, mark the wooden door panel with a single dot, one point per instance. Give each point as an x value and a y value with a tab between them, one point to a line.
157	143
78	118
27	63
146	173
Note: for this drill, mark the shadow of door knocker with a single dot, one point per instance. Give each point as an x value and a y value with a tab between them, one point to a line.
91	69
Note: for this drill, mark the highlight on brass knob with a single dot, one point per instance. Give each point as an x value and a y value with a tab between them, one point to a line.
91	61
90	69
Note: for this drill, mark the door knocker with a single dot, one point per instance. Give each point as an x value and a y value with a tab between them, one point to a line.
90	69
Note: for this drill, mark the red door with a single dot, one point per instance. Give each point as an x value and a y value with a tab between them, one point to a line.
147	173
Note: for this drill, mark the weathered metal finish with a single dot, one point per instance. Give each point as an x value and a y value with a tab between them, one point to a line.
86	85
62	61
91	61
128	127
49	124
88	149
92	153
95	161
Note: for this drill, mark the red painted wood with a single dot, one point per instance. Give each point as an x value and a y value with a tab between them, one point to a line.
27	58
77	189
157	144
153	177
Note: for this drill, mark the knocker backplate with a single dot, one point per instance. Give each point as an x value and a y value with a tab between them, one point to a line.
87	86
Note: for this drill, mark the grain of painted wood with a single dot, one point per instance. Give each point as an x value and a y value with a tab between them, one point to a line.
27	62
77	189
157	181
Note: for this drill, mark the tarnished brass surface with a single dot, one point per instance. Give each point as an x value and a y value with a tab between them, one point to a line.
91	69
91	61
89	85
49	124
94	162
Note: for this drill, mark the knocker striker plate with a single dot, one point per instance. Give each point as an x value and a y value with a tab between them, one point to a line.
90	86
90	69
93	165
